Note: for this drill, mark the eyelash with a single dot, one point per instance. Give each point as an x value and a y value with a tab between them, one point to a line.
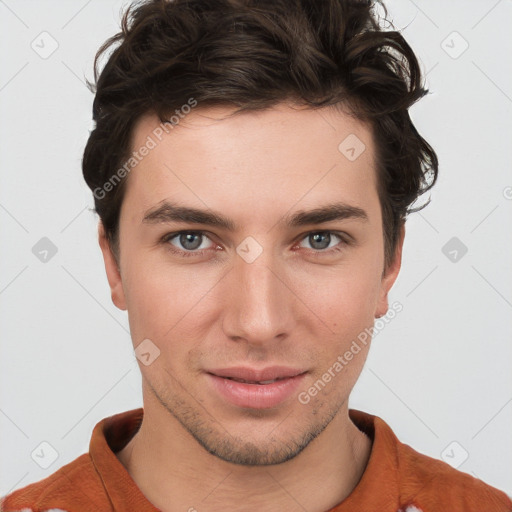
344	241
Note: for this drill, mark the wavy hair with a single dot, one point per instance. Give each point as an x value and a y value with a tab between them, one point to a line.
252	55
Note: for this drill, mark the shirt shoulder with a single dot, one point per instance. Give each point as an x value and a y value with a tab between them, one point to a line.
431	485
398	478
77	483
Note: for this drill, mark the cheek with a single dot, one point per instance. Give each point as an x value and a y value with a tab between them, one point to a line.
344	297
162	300
345	300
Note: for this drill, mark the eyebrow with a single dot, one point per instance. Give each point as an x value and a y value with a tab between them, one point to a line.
168	212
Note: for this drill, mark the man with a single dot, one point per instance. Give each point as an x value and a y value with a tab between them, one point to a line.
252	165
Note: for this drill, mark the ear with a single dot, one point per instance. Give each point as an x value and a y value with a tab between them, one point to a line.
113	272
389	276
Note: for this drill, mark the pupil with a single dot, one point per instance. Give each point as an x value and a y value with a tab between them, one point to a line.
317	237
187	238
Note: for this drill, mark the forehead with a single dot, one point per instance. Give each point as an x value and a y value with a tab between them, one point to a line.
253	161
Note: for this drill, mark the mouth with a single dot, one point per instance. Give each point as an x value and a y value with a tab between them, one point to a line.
261	382
255	390
257	375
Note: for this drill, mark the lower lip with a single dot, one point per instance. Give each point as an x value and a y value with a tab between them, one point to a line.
256	396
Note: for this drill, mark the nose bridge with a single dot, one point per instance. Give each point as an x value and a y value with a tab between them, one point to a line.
259	305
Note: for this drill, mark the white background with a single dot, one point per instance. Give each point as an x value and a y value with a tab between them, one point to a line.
439	372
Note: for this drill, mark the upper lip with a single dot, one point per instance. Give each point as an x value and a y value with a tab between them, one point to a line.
257	375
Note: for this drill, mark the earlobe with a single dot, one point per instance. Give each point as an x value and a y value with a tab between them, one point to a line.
390	275
112	270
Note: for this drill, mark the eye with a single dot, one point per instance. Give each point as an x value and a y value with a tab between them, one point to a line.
321	241
194	242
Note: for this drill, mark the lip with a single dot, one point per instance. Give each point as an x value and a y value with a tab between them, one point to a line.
256	396
257	375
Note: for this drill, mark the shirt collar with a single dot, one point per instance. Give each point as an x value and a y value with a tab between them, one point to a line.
108	437
378	488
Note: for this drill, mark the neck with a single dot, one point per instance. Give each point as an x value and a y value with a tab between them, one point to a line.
175	473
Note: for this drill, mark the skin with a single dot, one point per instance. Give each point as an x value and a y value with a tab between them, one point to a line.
297	304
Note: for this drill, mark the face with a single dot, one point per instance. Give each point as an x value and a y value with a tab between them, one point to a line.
282	266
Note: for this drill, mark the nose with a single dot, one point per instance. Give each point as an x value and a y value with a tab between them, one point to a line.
259	303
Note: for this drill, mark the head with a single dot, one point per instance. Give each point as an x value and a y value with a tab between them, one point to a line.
244	109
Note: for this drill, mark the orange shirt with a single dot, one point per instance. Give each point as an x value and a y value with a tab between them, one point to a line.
396	479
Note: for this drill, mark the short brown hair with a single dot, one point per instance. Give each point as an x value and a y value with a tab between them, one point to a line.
252	55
